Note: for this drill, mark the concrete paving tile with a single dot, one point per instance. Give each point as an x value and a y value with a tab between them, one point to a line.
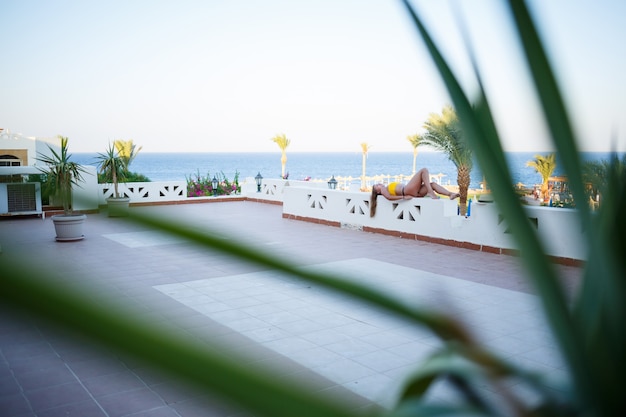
344	370
42	378
280	317
247	324
382	360
8	384
15	404
129	402
27	350
174	391
205	407
98	366
302	327
266	333
358	329
210	308
351	347
386	339
290	345
370	387
113	383
325	336
164	411
316	357
82	409
414	352
34	363
56	396
257	310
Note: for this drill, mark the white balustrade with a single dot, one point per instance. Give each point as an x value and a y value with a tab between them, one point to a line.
146	192
436	220
420	218
273	189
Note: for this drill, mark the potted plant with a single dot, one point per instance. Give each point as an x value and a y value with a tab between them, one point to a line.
62	174
114	168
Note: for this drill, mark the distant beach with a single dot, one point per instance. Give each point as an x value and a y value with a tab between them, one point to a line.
318	165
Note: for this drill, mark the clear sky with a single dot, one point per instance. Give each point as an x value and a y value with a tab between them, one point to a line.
209	76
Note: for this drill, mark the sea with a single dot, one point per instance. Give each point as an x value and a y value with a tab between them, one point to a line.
319	165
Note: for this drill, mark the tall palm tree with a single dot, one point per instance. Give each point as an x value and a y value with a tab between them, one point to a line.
545	166
282	142
443	132
415	142
596	175
364	148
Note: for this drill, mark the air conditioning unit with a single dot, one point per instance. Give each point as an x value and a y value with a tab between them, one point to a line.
20	198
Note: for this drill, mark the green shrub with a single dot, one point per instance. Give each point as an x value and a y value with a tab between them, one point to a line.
201	186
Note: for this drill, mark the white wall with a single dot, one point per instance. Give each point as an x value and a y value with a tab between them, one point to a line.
558	229
145	192
273	189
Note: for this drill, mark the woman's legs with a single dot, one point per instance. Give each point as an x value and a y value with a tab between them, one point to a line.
421	182
444	191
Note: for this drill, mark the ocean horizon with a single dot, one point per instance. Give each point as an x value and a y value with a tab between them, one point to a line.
162	166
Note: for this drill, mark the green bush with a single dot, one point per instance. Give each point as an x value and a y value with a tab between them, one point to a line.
202	186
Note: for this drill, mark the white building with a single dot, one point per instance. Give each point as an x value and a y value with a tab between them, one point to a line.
18	160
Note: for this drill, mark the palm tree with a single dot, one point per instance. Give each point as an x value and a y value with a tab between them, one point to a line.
62	173
113	167
364	148
596	175
443	132
545	166
282	142
415	142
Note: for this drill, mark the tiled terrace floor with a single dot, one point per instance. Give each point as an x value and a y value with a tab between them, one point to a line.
342	349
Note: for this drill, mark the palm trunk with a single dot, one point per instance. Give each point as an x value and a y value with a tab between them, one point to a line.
65	192
117	195
544	191
463	180
283	162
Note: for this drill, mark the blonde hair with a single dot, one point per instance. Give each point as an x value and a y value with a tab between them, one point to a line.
373	201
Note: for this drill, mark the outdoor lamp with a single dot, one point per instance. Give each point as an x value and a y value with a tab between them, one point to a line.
258	180
214	183
332	183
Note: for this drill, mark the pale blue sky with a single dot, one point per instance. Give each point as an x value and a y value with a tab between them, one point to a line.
212	76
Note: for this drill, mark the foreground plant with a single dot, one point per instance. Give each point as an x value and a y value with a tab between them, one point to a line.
588	334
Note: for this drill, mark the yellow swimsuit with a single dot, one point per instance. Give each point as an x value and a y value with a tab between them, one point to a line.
393	188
